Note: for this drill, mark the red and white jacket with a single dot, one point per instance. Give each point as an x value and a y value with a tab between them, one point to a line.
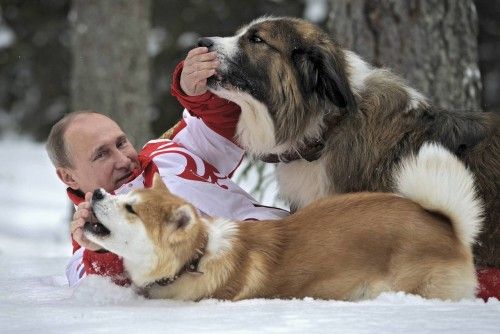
196	164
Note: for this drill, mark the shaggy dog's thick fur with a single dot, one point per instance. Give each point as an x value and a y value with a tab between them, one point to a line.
302	95
346	247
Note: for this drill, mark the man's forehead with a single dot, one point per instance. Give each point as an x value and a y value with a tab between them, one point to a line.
89	131
90	120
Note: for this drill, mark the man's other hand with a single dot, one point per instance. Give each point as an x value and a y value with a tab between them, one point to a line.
83	213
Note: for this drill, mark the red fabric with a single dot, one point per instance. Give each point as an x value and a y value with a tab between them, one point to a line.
105	264
489	283
218	114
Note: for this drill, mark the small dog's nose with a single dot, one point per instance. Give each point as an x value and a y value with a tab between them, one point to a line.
97	195
205	41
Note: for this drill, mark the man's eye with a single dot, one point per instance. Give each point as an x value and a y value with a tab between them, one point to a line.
121	144
256	39
129	208
98	156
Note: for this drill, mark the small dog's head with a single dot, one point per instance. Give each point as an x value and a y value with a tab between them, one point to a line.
287	68
152	229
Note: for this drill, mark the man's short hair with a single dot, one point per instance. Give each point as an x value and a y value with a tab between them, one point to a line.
55	145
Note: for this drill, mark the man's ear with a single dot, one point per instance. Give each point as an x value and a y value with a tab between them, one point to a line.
322	72
66	176
183	216
158	183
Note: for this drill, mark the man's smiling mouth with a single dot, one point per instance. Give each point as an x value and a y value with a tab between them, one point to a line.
124	178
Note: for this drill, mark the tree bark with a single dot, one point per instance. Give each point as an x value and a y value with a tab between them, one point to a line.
110	62
431	43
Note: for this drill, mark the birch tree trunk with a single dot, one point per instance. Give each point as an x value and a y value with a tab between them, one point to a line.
110	62
431	43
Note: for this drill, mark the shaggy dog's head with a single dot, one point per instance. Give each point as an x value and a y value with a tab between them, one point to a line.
152	229
286	74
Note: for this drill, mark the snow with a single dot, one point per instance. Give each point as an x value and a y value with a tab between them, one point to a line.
316	11
157	39
187	39
35	298
7	35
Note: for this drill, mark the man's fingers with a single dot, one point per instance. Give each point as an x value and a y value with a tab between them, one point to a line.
201	66
209	56
82	213
83	205
200	75
201	53
205	58
196	51
80	238
78	235
76	223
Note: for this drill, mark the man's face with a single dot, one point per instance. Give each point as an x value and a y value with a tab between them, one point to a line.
101	154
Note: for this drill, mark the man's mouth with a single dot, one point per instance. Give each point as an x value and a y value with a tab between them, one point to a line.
122	180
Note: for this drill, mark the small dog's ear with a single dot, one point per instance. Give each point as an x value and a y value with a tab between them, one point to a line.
158	183
322	72
183	216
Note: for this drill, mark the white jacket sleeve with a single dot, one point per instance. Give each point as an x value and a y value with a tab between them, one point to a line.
213	148
75	270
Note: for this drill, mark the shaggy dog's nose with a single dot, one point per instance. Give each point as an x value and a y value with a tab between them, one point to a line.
205	41
98	195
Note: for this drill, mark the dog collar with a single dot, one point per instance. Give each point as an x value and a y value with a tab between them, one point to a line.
190	267
311	151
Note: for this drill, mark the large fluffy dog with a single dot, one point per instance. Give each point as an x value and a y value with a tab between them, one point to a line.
347	247
337	124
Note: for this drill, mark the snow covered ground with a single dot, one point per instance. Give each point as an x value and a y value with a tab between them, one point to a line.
34	296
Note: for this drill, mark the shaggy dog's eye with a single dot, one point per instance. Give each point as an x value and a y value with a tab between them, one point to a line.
129	208
255	39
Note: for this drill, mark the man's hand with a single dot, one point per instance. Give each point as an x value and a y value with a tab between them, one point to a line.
198	66
83	214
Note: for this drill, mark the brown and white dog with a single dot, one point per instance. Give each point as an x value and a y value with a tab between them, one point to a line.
345	247
336	124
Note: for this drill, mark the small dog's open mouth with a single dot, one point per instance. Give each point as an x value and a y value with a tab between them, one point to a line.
96	229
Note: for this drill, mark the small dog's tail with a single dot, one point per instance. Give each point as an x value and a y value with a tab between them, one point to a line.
439	182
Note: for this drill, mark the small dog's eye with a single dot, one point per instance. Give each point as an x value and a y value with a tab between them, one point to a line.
255	39
129	208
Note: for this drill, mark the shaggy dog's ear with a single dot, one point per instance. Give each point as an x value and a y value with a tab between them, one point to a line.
322	72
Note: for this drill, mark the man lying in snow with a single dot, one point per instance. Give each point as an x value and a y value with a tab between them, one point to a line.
196	160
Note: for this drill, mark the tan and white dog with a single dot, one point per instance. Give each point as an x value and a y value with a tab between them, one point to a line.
346	247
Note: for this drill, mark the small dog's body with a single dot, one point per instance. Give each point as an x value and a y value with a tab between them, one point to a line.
347	247
340	125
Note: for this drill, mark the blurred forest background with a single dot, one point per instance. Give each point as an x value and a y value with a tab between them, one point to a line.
41	43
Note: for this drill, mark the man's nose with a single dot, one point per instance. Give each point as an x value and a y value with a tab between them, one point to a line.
206	42
123	160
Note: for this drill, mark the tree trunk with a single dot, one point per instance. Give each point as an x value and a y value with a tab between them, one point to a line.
431	43
110	62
